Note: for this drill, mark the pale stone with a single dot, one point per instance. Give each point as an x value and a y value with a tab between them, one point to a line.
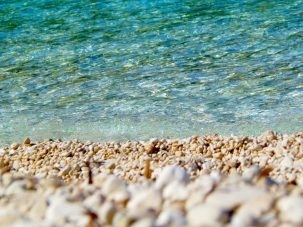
251	173
171	217
2	151
65	171
110	164
94	201
175	191
38	209
170	174
299	181
121	220
263	160
107	212
15	146
16	187
52	182
287	162
291	209
8	216
115	189
112	184
206	215
99	179
60	209
135	189
194	199
215	176
231	196
12	152
16	165
147	201
6	179
144	222
250	213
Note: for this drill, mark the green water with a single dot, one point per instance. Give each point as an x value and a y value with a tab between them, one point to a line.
139	69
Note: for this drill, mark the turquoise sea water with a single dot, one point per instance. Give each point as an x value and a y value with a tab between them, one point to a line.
125	69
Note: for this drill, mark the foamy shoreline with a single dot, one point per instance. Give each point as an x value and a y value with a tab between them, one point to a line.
198	181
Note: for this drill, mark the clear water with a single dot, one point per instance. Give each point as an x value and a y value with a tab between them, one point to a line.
134	69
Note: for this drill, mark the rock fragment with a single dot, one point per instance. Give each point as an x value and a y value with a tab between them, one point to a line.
170	174
207	215
26	142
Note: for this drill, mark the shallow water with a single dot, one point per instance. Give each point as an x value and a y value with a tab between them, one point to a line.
139	69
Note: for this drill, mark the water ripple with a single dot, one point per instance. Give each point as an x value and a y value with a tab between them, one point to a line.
135	69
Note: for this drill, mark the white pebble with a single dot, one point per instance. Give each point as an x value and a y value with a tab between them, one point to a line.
171	217
287	162
206	215
147	201
170	174
175	191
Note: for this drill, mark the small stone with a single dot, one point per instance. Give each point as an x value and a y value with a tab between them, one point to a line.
115	189
269	135
16	165
206	215
287	163
151	148
99	179
251	173
94	201
65	171
179	153
12	152
2	151
107	213
52	182
6	179
60	209
171	217
16	187
96	149
121	220
30	183
232	196
110	164
175	191
198	190
27	141
15	146
148	201
250	212
112	184
170	174
38	209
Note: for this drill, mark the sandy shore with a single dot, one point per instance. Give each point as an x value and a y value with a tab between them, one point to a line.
198	181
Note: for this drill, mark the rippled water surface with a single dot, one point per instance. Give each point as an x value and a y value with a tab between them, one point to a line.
125	69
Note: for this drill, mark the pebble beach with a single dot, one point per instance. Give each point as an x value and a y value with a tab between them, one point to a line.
198	181
149	84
